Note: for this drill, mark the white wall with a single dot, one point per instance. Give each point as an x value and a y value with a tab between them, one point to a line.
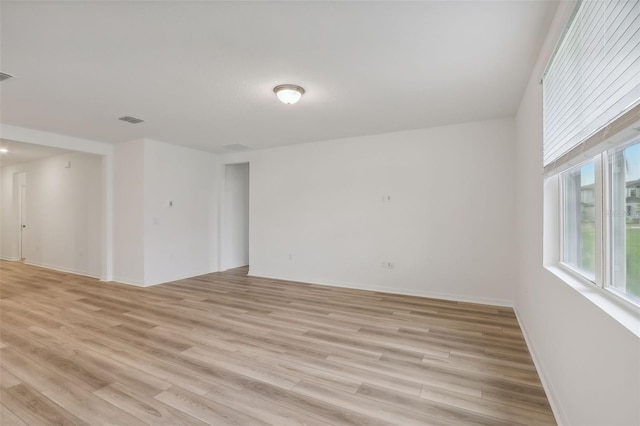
64	213
235	217
181	240
317	212
589	362
128	213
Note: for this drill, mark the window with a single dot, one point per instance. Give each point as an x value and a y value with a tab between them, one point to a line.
579	219
581	206
624	220
591	92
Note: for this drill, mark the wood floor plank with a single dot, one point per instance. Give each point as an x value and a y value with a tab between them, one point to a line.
503	411
36	409
264	409
7	379
228	349
388	413
7	418
317	408
147	409
443	412
207	410
90	408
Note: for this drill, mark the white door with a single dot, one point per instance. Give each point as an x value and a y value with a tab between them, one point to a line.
22	216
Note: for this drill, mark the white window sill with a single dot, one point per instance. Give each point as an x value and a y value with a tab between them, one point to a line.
627	314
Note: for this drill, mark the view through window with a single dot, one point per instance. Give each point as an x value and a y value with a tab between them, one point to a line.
579	221
624	219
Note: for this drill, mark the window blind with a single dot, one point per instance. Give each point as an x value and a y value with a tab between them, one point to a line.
593	78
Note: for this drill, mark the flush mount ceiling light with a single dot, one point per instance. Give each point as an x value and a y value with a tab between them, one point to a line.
4	150
288	93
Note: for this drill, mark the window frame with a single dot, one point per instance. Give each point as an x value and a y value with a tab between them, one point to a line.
603	274
562	222
608	281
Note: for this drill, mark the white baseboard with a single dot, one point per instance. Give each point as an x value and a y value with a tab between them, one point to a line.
226	268
394	290
556	407
128	281
180	277
10	259
61	269
137	283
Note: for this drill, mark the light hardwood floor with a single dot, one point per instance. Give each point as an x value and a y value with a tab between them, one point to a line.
226	349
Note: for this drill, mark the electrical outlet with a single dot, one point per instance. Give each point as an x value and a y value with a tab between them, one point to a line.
388	265
386	198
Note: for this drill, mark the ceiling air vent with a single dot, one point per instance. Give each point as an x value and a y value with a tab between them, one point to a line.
131	120
5	76
237	147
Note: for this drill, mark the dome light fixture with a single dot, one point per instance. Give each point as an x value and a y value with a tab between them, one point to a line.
288	93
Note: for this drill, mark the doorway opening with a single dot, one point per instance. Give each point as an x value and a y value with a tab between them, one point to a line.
235	217
57	215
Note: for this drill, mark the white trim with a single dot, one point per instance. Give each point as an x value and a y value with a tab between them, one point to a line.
236	267
554	401
179	278
393	290
61	269
10	259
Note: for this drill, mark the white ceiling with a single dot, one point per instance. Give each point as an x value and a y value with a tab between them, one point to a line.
201	74
20	152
